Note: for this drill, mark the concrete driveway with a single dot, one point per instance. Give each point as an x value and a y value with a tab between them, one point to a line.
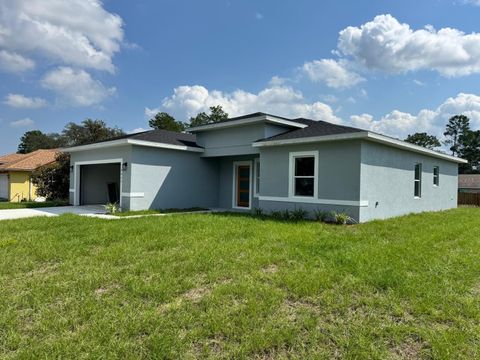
85	210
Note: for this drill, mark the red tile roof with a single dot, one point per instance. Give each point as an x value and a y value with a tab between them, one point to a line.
28	162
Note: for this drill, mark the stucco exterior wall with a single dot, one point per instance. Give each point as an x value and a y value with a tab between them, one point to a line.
234	141
163	178
387	182
338	177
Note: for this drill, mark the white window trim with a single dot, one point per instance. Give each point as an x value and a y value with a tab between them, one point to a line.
438	176
234	185
419	180
291	173
76	177
256	162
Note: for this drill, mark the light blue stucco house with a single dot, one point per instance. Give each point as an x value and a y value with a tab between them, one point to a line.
269	162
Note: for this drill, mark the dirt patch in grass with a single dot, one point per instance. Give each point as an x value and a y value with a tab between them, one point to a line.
106	289
270	269
411	349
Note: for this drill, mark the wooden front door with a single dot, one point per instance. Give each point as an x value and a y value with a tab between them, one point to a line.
243	186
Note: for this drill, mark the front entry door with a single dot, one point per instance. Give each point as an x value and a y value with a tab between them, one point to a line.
243	186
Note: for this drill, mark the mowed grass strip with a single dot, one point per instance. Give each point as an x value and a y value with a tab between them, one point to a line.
233	286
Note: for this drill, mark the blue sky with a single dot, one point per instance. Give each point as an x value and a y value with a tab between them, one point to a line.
393	67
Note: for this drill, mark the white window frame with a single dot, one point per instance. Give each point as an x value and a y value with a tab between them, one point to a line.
256	176
415	180
291	174
236	164
436	178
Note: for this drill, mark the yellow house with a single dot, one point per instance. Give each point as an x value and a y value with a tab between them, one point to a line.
16	172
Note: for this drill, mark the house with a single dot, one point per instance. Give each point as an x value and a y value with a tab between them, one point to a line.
16	171
269	162
469	183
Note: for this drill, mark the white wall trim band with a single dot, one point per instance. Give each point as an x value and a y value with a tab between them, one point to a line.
134	195
71	190
361	203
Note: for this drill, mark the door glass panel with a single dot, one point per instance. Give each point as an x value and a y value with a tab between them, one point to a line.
244	171
244	185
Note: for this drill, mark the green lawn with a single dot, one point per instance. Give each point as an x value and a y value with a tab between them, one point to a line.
232	286
154	212
4	205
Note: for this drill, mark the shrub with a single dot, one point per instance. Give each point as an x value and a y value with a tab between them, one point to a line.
298	214
111	208
286	215
276	214
258	212
52	180
342	218
321	215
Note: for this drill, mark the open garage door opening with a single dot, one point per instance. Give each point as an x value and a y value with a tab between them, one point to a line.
99	184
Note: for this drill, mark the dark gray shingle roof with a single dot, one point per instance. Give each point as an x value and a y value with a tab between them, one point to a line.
163	137
314	128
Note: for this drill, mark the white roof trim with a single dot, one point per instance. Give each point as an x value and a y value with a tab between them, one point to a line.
241	122
120	142
366	135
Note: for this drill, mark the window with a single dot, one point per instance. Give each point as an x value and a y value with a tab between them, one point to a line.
256	190
436	176
418	181
303	174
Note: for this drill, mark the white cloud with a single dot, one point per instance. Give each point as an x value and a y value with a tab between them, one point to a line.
386	45
27	122
75	32
419	83
76	87
137	130
334	74
21	101
187	101
470	2
258	16
400	124
14	63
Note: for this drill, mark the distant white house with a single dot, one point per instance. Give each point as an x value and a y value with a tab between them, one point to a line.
266	161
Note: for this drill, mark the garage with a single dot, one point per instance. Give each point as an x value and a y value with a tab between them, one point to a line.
99	184
3	186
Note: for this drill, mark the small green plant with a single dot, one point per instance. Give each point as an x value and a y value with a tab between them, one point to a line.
276	214
111	208
258	212
299	214
286	214
342	218
321	215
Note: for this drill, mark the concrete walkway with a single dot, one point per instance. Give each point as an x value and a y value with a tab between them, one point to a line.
85	210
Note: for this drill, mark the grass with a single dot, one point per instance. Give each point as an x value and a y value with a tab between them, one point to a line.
233	286
160	211
4	205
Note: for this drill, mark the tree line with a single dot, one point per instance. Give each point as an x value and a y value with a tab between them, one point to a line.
461	140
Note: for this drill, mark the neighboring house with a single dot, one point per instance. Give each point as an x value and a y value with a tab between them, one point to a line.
266	161
16	172
469	183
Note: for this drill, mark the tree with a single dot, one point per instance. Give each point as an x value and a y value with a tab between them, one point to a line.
35	139
216	114
89	131
164	121
52	180
469	149
457	126
423	139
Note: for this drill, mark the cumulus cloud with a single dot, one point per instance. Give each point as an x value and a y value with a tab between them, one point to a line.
334	74
400	124
389	46
76	32
187	101
12	62
27	122
76	87
21	101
